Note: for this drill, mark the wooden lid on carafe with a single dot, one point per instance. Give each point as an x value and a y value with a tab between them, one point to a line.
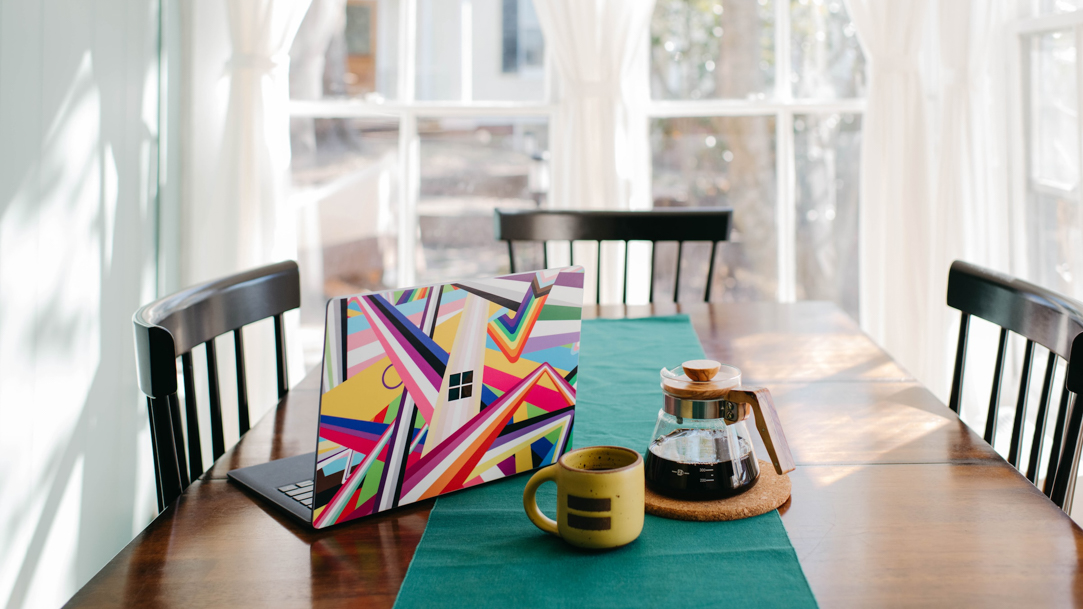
701	381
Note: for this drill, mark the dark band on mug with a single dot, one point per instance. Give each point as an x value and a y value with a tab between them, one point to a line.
589	523
586	504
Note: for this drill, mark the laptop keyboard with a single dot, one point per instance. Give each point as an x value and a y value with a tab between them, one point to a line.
301	492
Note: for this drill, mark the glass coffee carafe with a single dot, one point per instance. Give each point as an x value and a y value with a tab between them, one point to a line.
701	447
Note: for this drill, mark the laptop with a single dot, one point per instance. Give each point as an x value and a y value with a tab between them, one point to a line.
430	390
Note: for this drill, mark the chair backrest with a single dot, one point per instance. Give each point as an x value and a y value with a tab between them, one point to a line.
1045	318
681	225
1064	483
172	327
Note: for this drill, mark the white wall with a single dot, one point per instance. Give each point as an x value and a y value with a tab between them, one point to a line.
78	152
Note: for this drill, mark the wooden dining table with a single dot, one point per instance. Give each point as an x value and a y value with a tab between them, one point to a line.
895	501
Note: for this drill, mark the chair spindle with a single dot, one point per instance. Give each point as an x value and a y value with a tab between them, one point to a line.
1021	406
960	363
598	275
195	448
178	437
218	441
1064	482
1058	439
624	293
511	255
242	383
994	398
1039	420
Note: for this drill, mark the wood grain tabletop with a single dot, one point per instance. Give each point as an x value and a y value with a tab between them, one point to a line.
895	501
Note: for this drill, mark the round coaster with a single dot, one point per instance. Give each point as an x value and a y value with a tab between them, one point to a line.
770	492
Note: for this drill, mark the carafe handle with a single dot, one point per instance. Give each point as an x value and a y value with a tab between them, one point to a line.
767	422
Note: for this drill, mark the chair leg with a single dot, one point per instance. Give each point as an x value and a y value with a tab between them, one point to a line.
710	273
157	458
280	357
168	470
654	264
677	277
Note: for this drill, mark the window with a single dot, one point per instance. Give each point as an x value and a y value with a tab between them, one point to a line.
1047	132
411	121
757	106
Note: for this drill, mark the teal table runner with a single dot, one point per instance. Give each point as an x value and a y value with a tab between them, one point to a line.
480	550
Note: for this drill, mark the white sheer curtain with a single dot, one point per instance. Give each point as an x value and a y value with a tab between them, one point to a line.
896	294
256	148
600	158
237	209
599	140
971	212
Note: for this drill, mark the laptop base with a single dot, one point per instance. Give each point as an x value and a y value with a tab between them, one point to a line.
266	479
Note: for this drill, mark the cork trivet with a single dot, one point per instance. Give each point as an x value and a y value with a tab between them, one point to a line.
771	491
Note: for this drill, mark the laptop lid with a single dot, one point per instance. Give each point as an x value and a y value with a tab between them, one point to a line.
430	390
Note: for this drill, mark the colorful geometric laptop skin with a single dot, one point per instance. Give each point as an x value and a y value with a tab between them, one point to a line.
430	390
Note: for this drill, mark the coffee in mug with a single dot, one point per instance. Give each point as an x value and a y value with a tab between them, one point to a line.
599	497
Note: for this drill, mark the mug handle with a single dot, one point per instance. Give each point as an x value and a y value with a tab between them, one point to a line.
530	504
769	425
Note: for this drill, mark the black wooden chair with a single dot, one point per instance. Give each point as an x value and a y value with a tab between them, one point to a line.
170	328
681	225
1042	317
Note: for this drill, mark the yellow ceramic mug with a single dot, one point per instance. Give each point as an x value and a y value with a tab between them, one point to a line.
599	497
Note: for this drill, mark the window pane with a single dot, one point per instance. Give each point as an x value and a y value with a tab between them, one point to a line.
1054	218
720	161
1053	110
713	49
827	150
346	49
826	58
502	58
469	167
345	182
1060	6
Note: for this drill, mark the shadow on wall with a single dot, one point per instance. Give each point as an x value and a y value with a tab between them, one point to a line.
78	107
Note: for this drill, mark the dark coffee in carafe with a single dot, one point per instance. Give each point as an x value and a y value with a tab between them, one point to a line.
676	475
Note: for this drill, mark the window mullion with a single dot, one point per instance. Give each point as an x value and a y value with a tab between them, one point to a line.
466	50
785	197
1078	31
783	90
408	159
785	206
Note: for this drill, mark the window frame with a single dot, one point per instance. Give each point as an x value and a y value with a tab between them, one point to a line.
1020	139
